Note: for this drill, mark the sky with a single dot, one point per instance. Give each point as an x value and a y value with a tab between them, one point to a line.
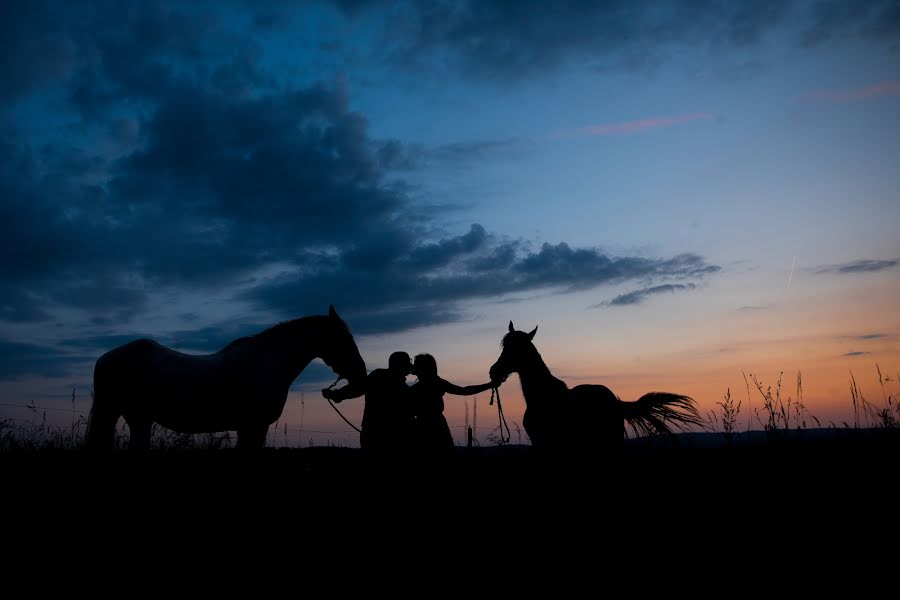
682	196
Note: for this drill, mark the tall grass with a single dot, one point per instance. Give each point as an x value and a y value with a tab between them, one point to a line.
726	419
886	416
779	412
37	435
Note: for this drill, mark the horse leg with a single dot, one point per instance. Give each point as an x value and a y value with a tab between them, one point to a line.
101	427
252	437
535	429
606	436
140	433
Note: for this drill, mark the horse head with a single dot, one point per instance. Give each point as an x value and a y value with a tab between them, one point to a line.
340	352
517	347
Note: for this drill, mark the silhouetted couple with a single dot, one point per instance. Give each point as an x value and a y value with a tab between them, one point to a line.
398	417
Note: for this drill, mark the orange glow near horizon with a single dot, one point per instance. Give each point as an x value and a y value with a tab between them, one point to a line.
825	341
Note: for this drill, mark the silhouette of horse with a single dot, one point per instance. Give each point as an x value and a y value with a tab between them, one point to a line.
589	416
241	387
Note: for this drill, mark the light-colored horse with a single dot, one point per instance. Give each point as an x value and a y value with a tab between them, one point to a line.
242	387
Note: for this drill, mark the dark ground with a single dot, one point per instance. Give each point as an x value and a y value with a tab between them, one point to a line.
763	499
799	462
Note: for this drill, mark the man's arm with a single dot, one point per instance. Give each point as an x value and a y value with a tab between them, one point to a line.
348	391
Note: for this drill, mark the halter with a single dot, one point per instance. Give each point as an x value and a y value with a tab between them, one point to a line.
495	392
340	414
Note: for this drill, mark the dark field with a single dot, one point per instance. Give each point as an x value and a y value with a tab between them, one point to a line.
805	492
801	462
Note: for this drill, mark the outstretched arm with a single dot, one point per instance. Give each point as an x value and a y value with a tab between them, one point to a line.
468	390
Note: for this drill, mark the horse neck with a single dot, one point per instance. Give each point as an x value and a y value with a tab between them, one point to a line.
538	383
289	347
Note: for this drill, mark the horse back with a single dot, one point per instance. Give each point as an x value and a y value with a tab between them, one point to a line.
145	361
593	394
596	401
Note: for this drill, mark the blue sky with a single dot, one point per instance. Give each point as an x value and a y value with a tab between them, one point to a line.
638	178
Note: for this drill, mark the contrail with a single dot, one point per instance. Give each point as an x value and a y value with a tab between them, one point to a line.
791	276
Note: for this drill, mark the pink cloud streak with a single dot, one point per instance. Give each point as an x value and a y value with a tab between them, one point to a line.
627	127
885	88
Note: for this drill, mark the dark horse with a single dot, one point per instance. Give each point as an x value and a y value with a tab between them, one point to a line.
242	387
590	416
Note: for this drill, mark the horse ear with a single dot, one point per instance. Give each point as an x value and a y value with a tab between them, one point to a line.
331	312
533	331
511	328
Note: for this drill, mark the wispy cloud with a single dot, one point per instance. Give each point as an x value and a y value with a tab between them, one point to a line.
867	337
477	149
856	353
626	127
19	360
638	296
885	88
859	266
752	308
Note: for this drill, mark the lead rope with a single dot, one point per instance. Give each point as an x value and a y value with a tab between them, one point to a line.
340	414
495	392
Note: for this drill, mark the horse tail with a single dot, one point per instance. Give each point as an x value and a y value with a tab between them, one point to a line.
654	413
102	419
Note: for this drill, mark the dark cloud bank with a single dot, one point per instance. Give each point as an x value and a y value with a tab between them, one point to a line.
175	160
512	39
178	162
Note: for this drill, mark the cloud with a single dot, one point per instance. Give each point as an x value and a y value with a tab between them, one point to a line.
218	187
425	284
446	250
856	353
101	53
864	338
627	127
886	88
207	339
395	154
33	49
500	40
476	149
508	40
19	360
377	320
829	20
638	296
104	55
180	161
859	266
213	338
871	336
17	305
755	308
102	343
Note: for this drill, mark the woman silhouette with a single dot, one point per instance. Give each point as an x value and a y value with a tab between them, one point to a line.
432	432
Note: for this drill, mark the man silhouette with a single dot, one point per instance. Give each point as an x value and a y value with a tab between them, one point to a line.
388	416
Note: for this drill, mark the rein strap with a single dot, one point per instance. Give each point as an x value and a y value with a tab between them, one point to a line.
337	410
495	392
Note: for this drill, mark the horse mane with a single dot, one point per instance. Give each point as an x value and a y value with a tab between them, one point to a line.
505	339
235	343
277	330
508	335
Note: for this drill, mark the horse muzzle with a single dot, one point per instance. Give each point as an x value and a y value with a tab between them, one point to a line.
497	373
